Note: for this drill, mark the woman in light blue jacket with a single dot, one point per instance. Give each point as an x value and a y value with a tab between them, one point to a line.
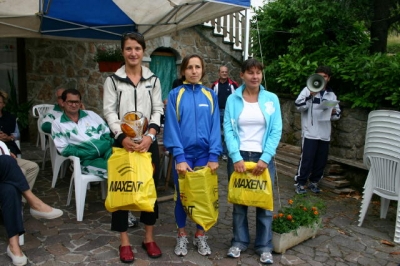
252	130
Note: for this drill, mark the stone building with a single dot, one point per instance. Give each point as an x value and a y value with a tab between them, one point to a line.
51	63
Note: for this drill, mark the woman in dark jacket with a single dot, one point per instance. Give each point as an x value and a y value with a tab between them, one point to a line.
8	124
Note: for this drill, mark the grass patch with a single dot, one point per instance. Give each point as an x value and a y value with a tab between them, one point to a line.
393	45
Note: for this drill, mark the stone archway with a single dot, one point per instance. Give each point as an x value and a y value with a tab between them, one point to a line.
164	64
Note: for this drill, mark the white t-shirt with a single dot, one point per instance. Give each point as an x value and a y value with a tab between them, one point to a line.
252	127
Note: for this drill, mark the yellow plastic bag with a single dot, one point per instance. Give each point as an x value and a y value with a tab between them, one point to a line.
130	182
249	190
199	196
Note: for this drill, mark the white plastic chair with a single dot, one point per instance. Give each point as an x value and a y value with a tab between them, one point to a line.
81	182
57	161
46	142
18	134
382	157
37	111
4	150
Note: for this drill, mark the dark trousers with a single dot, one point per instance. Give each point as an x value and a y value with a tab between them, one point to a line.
12	184
119	219
314	155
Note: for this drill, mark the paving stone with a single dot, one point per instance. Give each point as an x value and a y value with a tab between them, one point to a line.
65	241
57	250
291	260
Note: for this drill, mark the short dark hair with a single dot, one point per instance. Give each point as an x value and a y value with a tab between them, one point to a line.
324	69
250	63
70	91
185	63
133	36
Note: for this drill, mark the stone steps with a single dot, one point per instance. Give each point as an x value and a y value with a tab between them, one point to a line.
287	160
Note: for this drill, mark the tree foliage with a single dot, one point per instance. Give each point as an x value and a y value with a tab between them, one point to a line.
293	37
300	26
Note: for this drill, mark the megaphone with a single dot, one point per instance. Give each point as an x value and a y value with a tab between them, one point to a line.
315	83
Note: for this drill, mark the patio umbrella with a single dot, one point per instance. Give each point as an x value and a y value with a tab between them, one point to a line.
107	19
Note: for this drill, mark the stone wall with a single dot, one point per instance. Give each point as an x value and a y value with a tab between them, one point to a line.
51	63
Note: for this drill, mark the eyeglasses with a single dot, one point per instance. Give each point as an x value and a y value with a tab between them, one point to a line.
73	102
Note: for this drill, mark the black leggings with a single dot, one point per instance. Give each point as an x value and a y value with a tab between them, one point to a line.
119	219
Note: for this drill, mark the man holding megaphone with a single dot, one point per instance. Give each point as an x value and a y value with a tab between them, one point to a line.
318	106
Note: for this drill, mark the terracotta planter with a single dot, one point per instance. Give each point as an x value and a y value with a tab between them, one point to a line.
109	66
282	242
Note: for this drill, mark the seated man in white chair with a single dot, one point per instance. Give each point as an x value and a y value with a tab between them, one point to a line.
56	112
86	135
83	134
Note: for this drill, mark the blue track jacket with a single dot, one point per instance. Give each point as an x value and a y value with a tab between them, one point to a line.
270	107
192	126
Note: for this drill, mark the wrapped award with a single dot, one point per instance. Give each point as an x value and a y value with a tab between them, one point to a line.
134	125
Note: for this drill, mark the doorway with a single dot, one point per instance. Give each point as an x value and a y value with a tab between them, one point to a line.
163	64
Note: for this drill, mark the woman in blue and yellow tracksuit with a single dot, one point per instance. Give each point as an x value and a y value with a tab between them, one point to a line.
192	135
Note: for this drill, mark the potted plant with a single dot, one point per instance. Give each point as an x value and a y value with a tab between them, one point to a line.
108	58
297	222
19	110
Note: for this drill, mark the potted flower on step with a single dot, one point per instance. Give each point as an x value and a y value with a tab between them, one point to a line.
297	222
109	58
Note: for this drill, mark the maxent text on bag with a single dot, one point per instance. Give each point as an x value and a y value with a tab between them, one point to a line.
250	183
125	186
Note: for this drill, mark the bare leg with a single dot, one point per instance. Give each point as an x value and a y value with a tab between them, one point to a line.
36	203
149	233
200	232
14	246
182	231
124	239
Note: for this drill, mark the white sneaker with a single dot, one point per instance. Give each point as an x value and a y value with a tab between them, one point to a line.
202	247
181	246
266	257
234	252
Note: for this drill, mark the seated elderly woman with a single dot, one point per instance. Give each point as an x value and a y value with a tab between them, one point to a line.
13	185
8	125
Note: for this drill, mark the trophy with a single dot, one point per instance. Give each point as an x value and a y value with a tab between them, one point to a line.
134	125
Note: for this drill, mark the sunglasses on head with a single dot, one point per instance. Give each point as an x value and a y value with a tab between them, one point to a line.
132	34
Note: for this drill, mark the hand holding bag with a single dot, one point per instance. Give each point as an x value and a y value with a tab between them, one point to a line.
247	189
130	182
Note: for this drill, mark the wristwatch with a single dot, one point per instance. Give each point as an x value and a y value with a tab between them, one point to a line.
152	136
